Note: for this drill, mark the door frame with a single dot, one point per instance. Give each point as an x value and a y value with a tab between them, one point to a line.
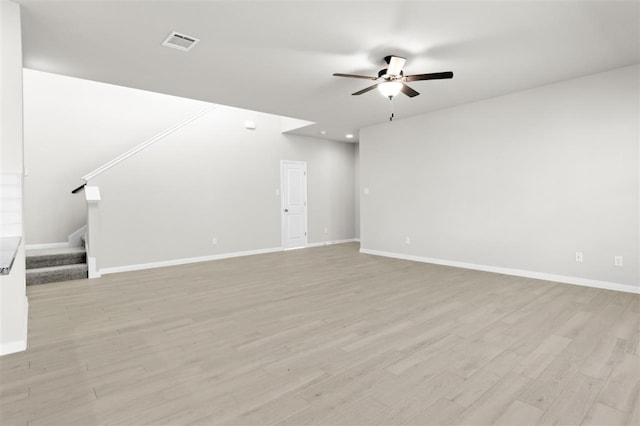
282	207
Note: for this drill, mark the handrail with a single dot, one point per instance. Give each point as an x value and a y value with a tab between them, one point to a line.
145	144
78	189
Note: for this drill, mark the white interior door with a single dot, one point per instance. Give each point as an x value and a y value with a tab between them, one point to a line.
294	204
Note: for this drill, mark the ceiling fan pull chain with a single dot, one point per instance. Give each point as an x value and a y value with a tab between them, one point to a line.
391	101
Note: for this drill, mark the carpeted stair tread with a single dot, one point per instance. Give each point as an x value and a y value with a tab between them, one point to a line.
56	274
42	258
55	264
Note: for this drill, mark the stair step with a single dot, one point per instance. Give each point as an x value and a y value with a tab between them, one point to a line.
43	258
56	274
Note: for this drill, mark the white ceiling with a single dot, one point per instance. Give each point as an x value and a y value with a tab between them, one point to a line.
279	57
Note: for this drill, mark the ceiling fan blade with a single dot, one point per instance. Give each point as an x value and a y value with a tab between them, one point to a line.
354	76
360	92
431	76
408	91
395	65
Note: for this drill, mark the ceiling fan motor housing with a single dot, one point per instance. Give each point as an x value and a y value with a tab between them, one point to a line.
387	58
383	73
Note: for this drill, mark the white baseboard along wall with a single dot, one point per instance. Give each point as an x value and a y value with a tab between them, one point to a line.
508	271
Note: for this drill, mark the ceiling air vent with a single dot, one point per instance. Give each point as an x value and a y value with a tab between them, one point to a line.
180	41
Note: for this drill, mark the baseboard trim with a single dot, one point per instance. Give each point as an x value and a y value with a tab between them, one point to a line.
46	246
330	243
72	241
92	268
508	271
75	239
18	345
13	347
176	262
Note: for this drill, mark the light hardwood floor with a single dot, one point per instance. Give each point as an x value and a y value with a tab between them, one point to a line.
324	336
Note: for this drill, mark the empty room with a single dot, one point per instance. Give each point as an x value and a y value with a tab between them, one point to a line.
320	212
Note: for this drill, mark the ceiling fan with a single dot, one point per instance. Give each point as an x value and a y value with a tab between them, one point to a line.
391	80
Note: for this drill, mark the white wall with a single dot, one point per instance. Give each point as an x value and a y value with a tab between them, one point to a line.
13	301
214	178
72	126
520	182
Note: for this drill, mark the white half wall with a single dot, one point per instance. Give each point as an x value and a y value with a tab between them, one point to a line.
14	307
357	193
71	127
216	179
519	182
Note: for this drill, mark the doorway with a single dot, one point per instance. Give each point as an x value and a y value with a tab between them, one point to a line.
293	184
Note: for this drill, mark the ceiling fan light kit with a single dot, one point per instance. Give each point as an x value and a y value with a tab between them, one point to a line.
390	88
391	80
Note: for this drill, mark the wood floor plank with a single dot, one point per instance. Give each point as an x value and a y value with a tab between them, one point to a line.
482	380
543	391
406	399
493	403
608	353
622	389
571	407
325	336
519	413
601	414
424	354
540	358
442	413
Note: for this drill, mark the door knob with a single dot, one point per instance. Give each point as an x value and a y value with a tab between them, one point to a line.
286	210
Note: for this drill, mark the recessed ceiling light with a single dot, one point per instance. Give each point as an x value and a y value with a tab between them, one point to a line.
323	132
348	136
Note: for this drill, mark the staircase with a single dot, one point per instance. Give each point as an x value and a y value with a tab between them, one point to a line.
57	264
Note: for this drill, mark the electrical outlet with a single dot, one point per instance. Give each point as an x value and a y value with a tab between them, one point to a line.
617	261
214	241
407	240
326	230
579	256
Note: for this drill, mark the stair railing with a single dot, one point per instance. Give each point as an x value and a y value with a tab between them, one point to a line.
78	189
119	159
92	193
